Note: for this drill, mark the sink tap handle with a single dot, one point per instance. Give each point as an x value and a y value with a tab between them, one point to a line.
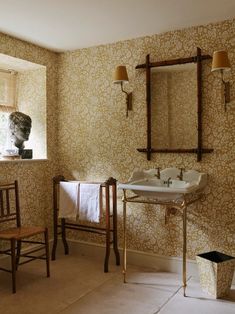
180	176
169	182
158	172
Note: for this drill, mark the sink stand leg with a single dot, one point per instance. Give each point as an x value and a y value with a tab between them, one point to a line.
184	247
124	236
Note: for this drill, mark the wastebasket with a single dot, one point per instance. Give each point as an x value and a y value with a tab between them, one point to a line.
216	272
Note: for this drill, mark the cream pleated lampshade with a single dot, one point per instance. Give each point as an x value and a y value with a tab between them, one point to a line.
120	74
220	61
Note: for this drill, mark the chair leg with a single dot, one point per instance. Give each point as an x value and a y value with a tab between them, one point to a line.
47	252
13	264
18	253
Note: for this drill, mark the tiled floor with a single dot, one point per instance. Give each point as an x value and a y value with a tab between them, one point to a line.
78	285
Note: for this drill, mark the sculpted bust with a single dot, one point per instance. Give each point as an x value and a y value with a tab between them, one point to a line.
20	126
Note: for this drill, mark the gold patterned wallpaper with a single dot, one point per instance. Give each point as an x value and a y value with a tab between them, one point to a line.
96	140
31	100
35	176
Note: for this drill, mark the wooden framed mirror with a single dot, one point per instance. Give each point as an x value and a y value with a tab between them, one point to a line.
174	106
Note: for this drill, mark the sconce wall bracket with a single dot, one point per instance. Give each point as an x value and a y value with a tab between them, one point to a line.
128	100
226	94
121	77
220	62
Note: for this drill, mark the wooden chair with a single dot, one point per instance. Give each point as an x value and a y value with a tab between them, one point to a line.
10	211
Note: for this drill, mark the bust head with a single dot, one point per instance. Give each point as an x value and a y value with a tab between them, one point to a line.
20	127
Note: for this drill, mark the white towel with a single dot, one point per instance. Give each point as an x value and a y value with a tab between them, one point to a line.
89	206
68	200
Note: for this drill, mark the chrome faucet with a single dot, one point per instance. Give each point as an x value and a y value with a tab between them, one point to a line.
158	175
168	182
180	176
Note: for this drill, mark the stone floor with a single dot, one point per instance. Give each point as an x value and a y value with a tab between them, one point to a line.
78	285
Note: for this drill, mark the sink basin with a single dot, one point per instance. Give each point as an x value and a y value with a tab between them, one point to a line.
168	187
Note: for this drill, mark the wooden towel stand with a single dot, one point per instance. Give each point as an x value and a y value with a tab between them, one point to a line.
110	218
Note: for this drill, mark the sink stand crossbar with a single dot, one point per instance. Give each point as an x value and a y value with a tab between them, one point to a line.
183	204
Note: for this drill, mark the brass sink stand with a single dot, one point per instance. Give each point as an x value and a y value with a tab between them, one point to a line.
181	204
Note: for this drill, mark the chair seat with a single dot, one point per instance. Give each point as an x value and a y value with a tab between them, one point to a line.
17	234
20	233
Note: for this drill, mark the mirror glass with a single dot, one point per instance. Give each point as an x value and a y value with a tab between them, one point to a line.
174	106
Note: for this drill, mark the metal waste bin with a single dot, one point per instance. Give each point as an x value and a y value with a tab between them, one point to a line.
216	273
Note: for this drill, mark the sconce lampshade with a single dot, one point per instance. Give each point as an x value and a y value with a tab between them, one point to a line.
220	61
120	75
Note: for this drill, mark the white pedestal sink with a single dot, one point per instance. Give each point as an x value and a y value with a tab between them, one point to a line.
171	186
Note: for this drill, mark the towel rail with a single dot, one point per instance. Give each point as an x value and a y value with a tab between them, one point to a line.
110	220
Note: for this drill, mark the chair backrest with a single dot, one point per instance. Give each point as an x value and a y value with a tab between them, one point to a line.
9	203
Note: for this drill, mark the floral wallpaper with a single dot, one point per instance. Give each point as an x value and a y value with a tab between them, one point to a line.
35	176
90	138
31	99
96	140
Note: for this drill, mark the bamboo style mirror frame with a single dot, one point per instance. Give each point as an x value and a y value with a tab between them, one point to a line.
198	148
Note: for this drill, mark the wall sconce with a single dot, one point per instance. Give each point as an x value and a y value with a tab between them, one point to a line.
221	63
121	77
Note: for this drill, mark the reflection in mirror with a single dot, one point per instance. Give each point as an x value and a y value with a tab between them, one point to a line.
174	106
